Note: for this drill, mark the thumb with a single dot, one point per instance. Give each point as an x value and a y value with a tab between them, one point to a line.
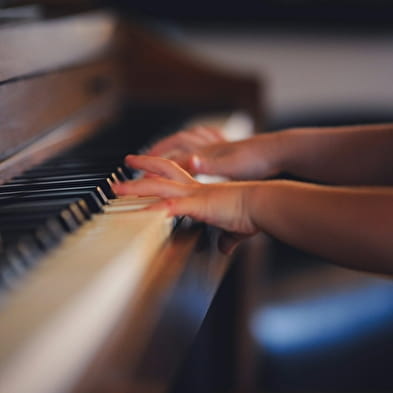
179	206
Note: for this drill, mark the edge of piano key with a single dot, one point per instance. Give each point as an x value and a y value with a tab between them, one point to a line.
17	327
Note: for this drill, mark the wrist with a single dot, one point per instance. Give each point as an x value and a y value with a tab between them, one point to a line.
259	200
271	150
267	200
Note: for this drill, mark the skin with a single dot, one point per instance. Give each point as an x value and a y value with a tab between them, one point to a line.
352	155
348	221
350	225
179	145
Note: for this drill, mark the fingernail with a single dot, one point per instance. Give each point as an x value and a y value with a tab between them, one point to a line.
196	162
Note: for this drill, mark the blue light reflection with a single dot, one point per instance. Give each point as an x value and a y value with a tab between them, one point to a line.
325	320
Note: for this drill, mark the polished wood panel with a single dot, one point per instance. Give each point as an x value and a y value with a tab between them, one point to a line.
32	107
72	132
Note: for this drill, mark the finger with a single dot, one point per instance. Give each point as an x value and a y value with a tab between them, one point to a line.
193	140
162	146
161	187
183	160
150	175
216	160
171	154
200	163
190	206
210	134
180	206
186	141
159	166
178	141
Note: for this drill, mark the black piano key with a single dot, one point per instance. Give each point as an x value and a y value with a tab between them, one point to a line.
65	217
56	177
104	184
52	203
84	208
81	178
16	261
35	206
15	265
82	167
43	236
34	209
52	225
97	191
88	201
68	220
49	231
120	170
34	185
29	250
11	264
22	254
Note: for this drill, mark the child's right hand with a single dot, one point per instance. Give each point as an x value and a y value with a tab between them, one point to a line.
224	205
202	151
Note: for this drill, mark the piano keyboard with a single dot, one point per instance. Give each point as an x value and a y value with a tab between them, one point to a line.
71	307
72	255
70	291
42	206
65	240
39	208
74	280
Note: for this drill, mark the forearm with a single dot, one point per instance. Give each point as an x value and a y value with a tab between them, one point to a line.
350	226
352	155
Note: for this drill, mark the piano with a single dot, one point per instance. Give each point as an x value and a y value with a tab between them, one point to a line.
97	296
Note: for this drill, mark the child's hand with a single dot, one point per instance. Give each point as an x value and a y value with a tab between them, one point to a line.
182	143
202	150
254	158
159	167
223	205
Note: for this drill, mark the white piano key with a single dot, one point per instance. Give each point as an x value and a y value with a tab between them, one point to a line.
52	326
130	203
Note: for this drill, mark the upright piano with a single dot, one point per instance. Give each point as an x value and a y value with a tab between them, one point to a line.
97	296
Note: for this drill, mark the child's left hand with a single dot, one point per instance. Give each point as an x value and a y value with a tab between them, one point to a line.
224	205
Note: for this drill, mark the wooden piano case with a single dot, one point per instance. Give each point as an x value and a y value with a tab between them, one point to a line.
61	80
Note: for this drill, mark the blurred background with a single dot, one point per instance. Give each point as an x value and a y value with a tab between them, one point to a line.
321	61
315	327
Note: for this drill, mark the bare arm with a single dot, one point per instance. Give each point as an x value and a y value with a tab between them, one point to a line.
357	155
352	226
349	155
